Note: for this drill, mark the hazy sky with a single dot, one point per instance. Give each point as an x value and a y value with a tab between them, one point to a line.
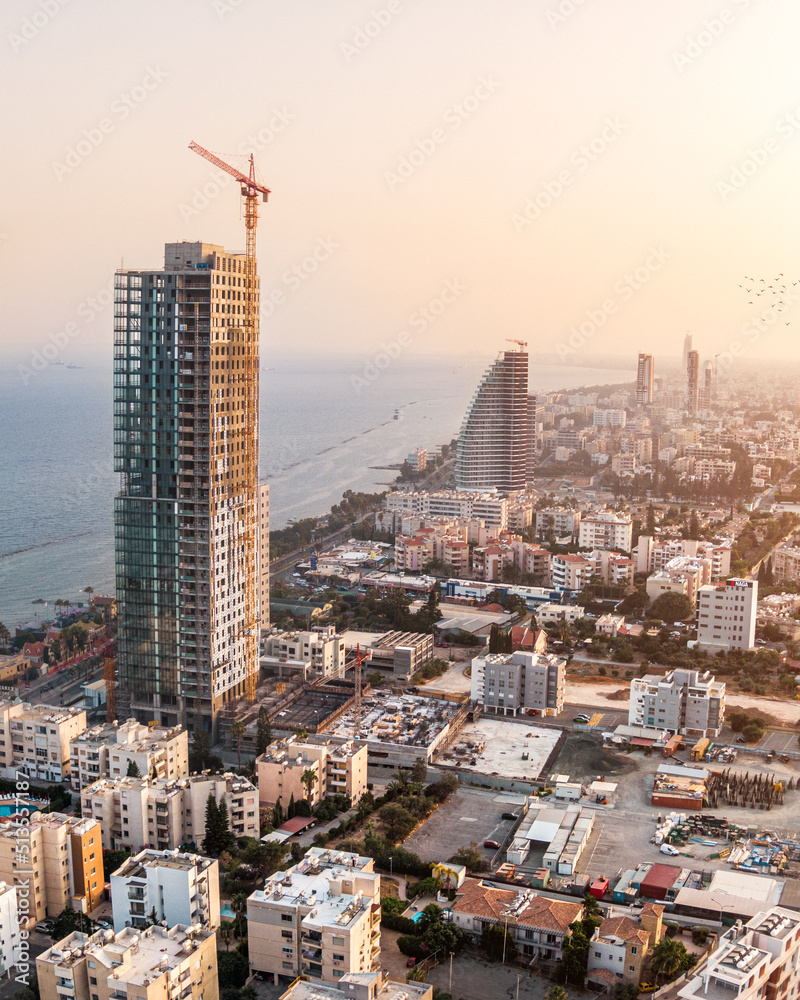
464	170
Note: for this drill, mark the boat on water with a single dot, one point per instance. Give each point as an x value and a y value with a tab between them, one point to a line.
39	600
396	415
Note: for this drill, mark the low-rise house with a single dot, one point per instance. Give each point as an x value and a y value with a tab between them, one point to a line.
622	943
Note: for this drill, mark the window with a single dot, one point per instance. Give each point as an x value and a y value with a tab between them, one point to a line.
286	916
287	935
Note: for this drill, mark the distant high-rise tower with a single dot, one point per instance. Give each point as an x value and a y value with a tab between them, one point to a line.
530	458
186	517
644	380
707	393
693	379
687	346
492	446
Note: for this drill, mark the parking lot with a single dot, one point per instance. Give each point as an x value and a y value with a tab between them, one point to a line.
472	814
780	742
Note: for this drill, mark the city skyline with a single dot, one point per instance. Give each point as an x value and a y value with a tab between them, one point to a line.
639	209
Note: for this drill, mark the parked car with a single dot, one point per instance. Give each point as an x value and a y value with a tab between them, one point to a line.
45	927
581	718
741	739
510	816
105	924
492	844
669	849
647	988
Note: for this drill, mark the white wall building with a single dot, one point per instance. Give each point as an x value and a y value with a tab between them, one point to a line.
487	506
35	739
682	701
606	531
9	928
178	888
516	682
107	751
726	615
319	652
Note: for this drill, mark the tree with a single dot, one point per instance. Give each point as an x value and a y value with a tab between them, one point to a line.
576	954
308	779
668	958
5	635
495	941
556	993
263	731
211	840
227	838
752	732
738	720
133	770
470	857
238	729
232	969
671	607
419	771
277	814
239	906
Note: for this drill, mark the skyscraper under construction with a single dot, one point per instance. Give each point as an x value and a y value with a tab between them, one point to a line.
186	517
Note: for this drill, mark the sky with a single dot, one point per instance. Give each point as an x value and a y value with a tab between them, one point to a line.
594	178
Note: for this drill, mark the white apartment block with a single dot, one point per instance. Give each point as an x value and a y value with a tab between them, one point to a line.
178	888
610	567
681	575
570	572
262	580
560	520
35	739
106	751
320	918
624	463
58	859
150	964
786	563
610	418
652	554
606	531
318	653
713	468
519	682
726	615
359	986
9	929
552	614
338	769
489	507
683	701
165	813
759	960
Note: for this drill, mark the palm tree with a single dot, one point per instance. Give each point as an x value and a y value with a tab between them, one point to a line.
90	592
667	958
239	906
309	779
238	729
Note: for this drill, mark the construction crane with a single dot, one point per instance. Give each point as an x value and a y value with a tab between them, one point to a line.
522	343
251	190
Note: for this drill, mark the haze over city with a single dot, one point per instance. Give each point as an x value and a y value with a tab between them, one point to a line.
548	158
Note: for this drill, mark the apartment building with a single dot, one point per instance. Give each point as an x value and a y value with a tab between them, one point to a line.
153	963
486	506
319	652
519	682
560	520
609	418
165	813
263	555
35	739
552	614
531	560
624	463
681	575
320	918
12	667
57	858
786	563
359	986
401	653
610	567
759	960
683	701
606	531
621	944
538	925
177	888
9	929
338	769
570	572
652	554
726	615
713	468
108	750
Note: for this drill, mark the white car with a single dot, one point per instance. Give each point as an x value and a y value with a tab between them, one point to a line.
669	849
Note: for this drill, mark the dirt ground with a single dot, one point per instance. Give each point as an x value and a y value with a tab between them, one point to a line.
583	758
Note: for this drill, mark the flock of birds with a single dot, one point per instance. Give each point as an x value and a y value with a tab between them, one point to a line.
760	287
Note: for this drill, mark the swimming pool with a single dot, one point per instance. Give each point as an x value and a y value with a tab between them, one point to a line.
227	912
10	806
417	916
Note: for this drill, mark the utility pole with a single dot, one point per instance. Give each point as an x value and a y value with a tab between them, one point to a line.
450	984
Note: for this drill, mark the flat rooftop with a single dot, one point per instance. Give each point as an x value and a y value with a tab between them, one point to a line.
405	720
497	747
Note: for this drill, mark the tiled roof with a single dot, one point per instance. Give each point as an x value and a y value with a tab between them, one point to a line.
481	900
550	914
623	928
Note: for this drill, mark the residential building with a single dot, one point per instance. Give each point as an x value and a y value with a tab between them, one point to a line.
478	504
683	701
570	572
653	554
606	531
609	418
165	813
519	682
57	858
108	751
263	556
153	963
318	652
338	769
560	520
401	653
610	567
10	951
173	887
359	986
693	382
609	624
186	518
621	944
786	563
418	459
713	468
35	739
12	667
539	925
726	615
753	961
531	442
624	463
552	614
644	380
492	449
320	918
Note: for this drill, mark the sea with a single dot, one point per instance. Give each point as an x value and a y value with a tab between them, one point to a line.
328	424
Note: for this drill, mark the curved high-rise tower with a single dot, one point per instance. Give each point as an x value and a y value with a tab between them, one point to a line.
492	450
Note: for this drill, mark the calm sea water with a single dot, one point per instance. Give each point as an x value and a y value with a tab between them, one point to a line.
320	435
